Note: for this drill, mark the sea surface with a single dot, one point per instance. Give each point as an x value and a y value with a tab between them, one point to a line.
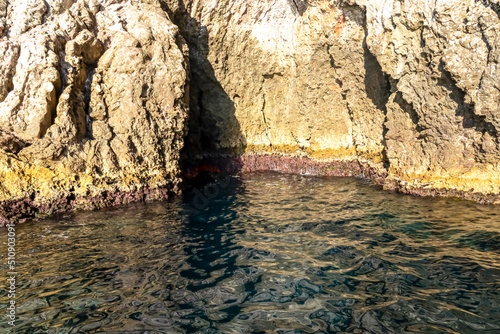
261	252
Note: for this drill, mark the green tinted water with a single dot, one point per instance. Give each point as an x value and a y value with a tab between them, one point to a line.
269	253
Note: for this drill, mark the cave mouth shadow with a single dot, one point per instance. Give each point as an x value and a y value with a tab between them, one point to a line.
211	115
212	120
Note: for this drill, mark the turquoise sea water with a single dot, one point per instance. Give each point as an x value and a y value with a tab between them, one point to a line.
262	253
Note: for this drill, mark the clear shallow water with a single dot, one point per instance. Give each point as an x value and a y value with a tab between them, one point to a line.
271	253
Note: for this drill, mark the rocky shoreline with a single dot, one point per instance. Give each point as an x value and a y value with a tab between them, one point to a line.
18	211
32	207
333	168
100	99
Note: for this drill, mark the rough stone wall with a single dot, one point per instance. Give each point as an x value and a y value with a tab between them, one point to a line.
409	87
94	93
284	77
443	114
93	102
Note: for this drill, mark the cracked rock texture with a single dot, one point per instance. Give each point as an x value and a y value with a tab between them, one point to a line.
96	96
408	87
93	102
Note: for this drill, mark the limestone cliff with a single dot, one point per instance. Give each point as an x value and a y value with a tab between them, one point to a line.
97	95
93	103
408	87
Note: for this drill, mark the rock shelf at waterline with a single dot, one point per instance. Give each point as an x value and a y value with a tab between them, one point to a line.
100	99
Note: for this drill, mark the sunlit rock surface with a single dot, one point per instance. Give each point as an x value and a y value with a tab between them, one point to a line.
95	95
407	87
93	102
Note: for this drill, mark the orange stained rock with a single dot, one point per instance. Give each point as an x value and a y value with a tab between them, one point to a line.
339	26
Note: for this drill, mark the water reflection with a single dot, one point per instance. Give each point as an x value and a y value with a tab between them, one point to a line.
272	253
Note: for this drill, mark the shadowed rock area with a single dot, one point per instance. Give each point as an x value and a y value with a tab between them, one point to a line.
97	97
407	88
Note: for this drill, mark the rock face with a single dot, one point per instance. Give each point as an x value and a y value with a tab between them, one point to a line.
442	117
93	103
94	94
409	88
281	78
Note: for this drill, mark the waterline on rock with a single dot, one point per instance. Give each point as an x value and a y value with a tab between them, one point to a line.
271	253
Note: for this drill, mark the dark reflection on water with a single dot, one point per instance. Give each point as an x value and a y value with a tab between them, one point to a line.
272	253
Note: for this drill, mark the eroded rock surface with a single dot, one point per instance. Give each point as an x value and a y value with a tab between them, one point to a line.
285	77
442	117
409	87
93	103
94	94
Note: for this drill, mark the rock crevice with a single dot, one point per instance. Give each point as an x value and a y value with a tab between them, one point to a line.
99	97
94	111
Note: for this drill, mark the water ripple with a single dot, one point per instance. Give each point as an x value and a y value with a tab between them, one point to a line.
272	253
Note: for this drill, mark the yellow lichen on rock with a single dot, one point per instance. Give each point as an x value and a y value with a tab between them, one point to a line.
117	126
95	96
